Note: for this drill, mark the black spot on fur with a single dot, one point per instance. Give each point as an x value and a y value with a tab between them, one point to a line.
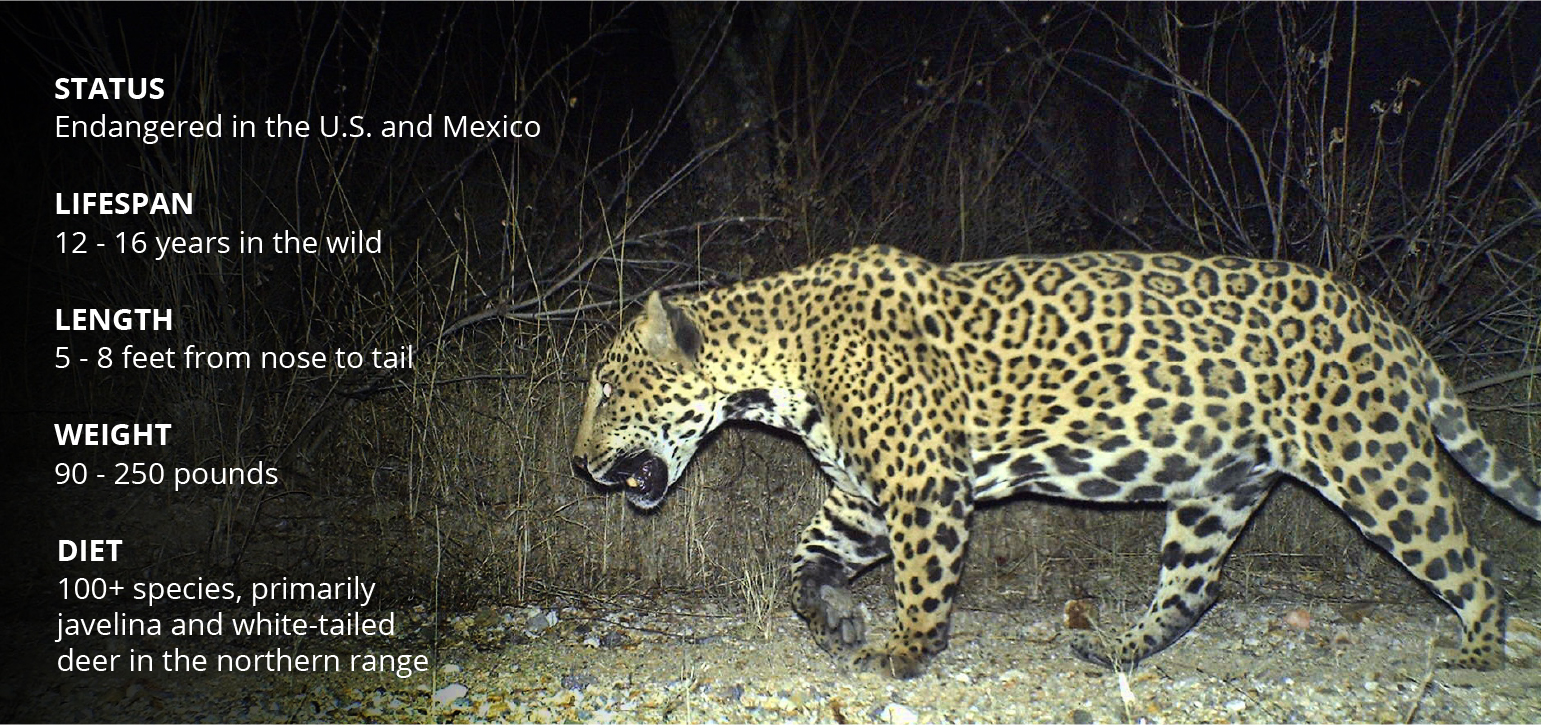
1098	488
1231	477
1175	469
1189	515
1067	460
986	465
1128	467
1209	526
947	536
1439	526
1027	467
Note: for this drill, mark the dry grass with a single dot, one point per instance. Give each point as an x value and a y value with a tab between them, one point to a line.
506	268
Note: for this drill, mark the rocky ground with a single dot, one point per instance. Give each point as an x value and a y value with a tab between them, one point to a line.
701	660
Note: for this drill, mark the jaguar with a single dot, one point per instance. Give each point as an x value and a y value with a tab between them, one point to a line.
925	389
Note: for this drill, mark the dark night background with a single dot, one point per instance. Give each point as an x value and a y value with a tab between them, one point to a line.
685	146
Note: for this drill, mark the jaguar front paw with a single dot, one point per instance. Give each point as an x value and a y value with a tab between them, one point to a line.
1480	658
897	662
838	622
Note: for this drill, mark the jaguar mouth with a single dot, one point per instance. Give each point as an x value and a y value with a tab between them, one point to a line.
645	476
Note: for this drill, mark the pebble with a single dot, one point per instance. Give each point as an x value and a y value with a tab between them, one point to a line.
540	621
897	714
1298	619
702	677
450	693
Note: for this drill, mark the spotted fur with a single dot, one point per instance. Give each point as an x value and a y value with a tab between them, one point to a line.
923	389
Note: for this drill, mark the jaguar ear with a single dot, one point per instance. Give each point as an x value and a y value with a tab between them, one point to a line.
668	334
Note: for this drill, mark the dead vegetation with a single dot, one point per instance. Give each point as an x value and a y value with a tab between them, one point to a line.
957	132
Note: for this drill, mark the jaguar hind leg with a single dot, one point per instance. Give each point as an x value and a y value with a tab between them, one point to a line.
1411	513
1199	533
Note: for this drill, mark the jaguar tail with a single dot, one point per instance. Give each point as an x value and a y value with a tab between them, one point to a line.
1499	473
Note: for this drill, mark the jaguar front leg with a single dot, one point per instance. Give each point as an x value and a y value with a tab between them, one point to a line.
928	534
847	535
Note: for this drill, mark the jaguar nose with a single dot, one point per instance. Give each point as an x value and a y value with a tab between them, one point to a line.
581	463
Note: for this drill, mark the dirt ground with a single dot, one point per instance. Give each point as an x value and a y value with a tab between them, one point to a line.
691	659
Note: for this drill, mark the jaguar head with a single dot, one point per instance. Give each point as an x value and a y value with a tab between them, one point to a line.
648	405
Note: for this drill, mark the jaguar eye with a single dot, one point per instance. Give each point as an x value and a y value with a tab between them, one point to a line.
605	391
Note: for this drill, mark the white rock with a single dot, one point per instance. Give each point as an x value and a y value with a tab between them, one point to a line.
897	714
541	621
450	693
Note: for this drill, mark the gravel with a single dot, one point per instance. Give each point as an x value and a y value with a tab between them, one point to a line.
702	660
